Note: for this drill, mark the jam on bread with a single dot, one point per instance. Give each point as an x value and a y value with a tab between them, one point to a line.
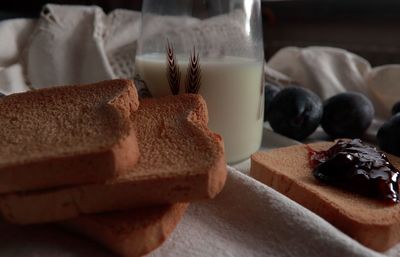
358	167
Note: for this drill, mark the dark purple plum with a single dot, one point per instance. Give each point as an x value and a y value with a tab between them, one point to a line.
270	91
295	112
347	115
388	135
396	108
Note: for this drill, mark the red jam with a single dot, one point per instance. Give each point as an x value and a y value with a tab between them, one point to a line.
358	167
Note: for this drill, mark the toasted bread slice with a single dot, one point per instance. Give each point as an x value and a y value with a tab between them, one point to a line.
181	160
374	223
130	233
67	135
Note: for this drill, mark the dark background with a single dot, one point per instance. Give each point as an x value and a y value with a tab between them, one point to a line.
369	28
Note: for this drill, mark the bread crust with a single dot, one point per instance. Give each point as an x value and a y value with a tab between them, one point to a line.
372	222
130	233
181	160
84	165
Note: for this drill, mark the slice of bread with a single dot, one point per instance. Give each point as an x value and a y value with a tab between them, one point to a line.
130	233
181	160
67	135
374	223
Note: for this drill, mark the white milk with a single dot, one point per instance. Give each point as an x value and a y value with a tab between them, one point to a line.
232	88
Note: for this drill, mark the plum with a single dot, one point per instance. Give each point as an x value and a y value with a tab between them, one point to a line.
347	115
295	112
270	91
388	135
396	108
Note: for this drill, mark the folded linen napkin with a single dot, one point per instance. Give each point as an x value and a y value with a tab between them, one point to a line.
67	45
71	44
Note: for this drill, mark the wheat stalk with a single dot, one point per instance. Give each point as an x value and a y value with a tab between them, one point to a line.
173	73
193	76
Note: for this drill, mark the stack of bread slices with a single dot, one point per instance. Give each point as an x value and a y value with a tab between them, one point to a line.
95	159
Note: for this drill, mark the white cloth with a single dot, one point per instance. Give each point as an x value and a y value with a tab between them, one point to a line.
15	34
250	219
67	45
71	44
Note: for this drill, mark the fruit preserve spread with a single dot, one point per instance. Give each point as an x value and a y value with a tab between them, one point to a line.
358	167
